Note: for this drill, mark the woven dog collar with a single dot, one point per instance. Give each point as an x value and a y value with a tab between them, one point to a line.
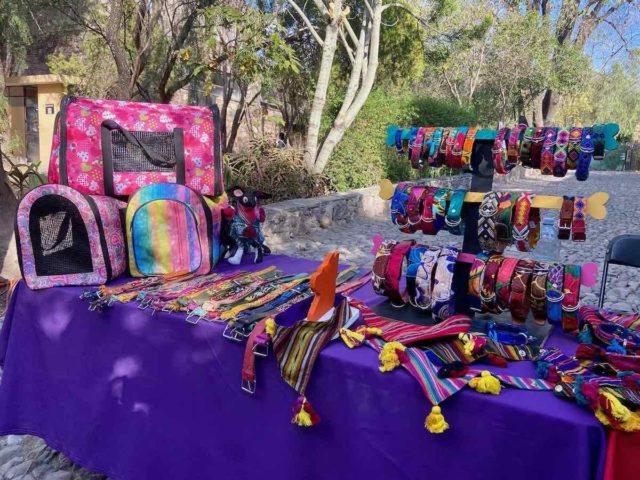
579	223
440	305
513	146
546	157
525	147
453	219
427	219
573	150
555	294
451	140
539	292
520	287
526	223
475	281
467	149
560	155
571	289
503	219
426	147
536	146
458	145
489	278
413	207
487	223
434	148
399	205
399	144
586	155
503	281
566	217
500	159
440	198
415	149
387	270
441	158
422	261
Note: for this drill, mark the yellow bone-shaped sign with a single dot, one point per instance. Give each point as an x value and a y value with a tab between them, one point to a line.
595	203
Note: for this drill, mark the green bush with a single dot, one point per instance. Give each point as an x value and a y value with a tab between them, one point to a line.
362	158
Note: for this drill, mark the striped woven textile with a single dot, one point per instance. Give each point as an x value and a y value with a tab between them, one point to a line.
525	383
426	373
448	352
595	315
567	365
297	347
408	333
511	352
629	394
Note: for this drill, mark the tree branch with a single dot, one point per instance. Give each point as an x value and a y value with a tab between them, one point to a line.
306	21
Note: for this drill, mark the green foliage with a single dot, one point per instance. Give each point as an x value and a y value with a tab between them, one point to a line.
23	176
362	158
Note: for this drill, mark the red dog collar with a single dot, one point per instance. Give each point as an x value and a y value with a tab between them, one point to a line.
387	271
520	285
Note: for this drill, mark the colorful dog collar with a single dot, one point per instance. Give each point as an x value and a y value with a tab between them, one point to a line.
467	149
415	149
489	278
579	223
475	281
387	270
500	158
513	146
422	261
503	281
458	145
586	155
503	218
434	149
546	157
453	219
440	307
560	155
566	217
539	292
555	294
573	149
487	223
536	146
571	298
520	285
526	223
525	147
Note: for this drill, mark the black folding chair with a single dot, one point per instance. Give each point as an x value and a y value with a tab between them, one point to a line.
622	250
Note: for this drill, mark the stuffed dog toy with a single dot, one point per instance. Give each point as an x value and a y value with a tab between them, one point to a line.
242	229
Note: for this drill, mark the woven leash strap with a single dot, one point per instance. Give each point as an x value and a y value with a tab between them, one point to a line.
555	293
573	150
560	155
467	149
525	147
546	157
586	155
570	305
519	301
422	261
453	219
458	145
489	279
442	288
536	146
500	158
579	222
539	292
487	236
475	281
513	146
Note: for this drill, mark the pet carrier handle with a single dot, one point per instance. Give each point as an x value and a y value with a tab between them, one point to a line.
154	157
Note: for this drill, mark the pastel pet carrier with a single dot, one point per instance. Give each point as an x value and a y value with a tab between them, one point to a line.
64	237
112	147
171	229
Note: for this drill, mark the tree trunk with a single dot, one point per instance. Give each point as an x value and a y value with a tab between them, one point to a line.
8	203
322	85
538	117
348	115
550	106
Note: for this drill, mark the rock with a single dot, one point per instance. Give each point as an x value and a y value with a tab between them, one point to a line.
14	439
17	470
59	475
325	221
9	452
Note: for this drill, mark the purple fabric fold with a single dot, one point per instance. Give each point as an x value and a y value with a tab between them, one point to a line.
137	396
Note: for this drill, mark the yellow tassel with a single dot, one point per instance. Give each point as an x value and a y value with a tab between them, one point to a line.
468	343
388	356
617	409
302	419
375	332
486	383
270	327
350	338
435	421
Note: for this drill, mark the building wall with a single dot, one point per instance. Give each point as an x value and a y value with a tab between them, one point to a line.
47	95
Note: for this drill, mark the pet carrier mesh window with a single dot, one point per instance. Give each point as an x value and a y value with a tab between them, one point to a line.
59	237
128	157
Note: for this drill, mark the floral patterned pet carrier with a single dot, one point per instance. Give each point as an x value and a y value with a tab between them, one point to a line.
171	229
64	237
111	147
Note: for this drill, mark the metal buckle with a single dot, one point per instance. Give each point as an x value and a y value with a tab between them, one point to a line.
249	386
260	349
230	333
571	309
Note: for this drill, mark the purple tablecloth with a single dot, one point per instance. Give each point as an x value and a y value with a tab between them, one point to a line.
139	397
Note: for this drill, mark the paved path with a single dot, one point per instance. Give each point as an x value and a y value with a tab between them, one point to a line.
25	457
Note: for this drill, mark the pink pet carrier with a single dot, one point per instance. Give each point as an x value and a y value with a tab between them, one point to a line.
111	147
66	238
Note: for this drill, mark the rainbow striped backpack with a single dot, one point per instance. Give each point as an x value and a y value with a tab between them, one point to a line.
171	229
